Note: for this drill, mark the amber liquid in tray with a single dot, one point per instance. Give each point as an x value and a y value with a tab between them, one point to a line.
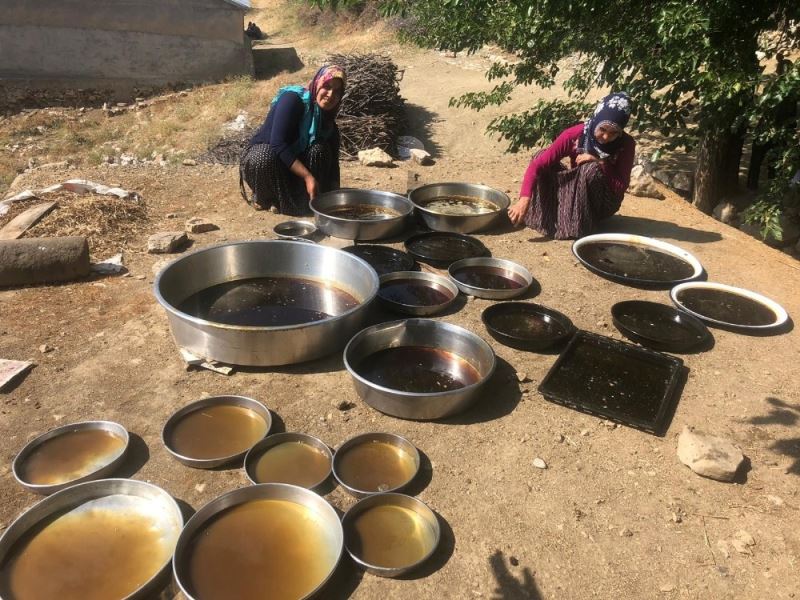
71	455
293	462
216	432
261	550
375	466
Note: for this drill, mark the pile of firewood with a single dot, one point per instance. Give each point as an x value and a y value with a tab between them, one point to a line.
372	112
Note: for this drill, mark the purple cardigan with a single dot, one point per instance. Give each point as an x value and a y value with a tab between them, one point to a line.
617	168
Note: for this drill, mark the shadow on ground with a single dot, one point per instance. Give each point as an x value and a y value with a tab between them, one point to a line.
783	413
420	125
268	61
509	586
504	398
658	229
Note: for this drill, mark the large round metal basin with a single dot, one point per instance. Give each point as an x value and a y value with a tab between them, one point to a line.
355	214
265	345
414	334
459	223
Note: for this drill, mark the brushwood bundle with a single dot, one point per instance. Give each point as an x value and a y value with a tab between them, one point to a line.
373	112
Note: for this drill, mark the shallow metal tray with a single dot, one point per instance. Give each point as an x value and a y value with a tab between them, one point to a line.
615	380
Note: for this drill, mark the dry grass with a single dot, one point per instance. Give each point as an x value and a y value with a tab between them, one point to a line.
109	223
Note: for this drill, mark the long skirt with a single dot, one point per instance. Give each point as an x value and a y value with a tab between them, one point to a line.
273	184
567	203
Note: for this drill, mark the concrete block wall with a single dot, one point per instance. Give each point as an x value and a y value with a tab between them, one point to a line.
138	42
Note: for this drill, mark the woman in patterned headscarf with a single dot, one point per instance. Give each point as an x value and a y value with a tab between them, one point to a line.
294	155
566	203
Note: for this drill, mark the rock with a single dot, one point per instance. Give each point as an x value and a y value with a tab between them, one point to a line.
343	405
171	215
166	242
421	157
559	439
642	184
539	463
742	542
681	181
585	432
725	212
375	157
45	348
625	532
189	162
522	377
238	124
200	225
709	456
667	588
127	159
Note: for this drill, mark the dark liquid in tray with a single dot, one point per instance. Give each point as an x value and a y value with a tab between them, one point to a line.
268	301
294	462
459	205
660	326
603	377
382	259
489	278
362	212
217	432
260	549
446	248
390	536
635	261
528	326
413	292
375	466
70	456
91	554
726	307
418	369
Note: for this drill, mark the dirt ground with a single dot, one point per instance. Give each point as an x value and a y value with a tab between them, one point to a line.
615	514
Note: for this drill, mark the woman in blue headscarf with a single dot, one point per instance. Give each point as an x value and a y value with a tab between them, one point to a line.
294	155
566	203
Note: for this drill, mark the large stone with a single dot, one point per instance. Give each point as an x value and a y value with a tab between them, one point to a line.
200	225
421	157
375	157
643	184
166	242
680	181
43	260
709	456
725	212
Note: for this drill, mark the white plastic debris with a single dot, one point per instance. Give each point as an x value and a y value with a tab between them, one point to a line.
10	369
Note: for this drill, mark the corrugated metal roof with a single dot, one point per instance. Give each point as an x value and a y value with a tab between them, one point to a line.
243	4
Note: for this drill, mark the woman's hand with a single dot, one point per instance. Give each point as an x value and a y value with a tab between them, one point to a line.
311	186
516	212
584	158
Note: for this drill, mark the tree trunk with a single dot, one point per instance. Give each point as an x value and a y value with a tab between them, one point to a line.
717	172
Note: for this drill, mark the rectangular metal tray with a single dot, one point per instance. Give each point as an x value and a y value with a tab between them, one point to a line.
616	380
